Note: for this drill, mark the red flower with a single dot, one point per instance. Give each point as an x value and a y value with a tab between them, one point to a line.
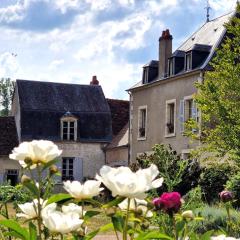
226	196
169	202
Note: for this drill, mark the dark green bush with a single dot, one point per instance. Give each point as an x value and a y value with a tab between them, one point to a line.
213	180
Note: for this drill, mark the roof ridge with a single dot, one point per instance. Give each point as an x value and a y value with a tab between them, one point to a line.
60	83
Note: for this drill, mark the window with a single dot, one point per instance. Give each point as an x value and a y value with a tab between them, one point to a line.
145	75
142	122
171	67
69	128
67	169
12	176
187	111
188	61
170	118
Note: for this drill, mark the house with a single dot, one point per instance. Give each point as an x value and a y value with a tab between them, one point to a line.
9	170
117	152
162	101
75	117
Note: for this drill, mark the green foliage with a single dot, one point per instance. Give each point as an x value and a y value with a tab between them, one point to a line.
212	181
219	94
193	199
216	218
16	194
6	94
233	185
169	164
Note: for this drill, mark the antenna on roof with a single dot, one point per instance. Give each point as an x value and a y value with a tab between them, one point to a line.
208	10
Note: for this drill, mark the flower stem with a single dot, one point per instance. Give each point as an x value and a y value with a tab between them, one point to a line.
126	221
39	218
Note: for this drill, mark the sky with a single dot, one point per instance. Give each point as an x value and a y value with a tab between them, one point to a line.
72	40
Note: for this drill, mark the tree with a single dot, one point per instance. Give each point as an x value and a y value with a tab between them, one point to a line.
218	97
6	93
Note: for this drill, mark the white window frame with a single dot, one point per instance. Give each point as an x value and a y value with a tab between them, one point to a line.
69	120
185	152
139	137
170	102
185	118
145	75
67	175
188	56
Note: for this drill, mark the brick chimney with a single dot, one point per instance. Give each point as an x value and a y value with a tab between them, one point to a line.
165	51
94	81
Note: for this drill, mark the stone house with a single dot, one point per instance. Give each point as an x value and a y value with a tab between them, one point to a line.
9	170
75	117
162	101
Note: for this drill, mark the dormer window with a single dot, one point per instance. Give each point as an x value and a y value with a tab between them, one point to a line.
145	75
188	61
68	127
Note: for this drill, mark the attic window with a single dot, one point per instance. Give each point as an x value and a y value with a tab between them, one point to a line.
145	75
68	128
188	61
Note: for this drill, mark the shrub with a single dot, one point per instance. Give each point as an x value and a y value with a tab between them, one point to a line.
193	199
212	181
233	185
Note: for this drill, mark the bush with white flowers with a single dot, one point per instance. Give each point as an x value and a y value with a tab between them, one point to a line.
64	216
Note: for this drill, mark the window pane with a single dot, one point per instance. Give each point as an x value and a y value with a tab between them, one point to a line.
71	137
65	124
65	136
71	124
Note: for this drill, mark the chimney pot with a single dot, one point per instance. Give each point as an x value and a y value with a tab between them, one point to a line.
94	81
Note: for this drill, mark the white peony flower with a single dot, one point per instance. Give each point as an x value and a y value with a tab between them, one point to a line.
123	182
86	190
188	214
60	222
39	151
71	207
136	205
30	209
223	237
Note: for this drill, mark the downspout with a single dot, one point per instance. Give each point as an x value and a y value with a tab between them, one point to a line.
129	129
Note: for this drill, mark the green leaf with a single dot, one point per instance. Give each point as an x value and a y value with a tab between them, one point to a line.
114	202
50	163
91	235
93	202
13	225
207	235
59	197
118	223
106	227
153	235
32	231
180	225
90	214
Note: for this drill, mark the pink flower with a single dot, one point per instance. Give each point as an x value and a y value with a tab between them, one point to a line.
169	202
226	196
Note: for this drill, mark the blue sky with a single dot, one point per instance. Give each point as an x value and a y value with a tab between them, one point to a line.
72	40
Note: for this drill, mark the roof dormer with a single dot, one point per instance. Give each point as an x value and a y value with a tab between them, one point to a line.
150	72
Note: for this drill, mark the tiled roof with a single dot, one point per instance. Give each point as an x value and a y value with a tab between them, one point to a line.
8	135
121	139
120	114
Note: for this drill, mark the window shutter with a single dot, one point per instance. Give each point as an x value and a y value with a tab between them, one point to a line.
78	169
181	116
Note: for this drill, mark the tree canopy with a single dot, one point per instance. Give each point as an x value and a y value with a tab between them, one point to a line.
218	96
6	93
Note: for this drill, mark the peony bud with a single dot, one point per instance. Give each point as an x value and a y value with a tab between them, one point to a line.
53	170
25	179
226	196
28	161
111	211
188	214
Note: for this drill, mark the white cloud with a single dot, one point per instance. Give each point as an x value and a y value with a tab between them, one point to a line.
55	64
9	66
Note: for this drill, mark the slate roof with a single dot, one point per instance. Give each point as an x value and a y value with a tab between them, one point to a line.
120	114
8	135
42	105
121	139
209	36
